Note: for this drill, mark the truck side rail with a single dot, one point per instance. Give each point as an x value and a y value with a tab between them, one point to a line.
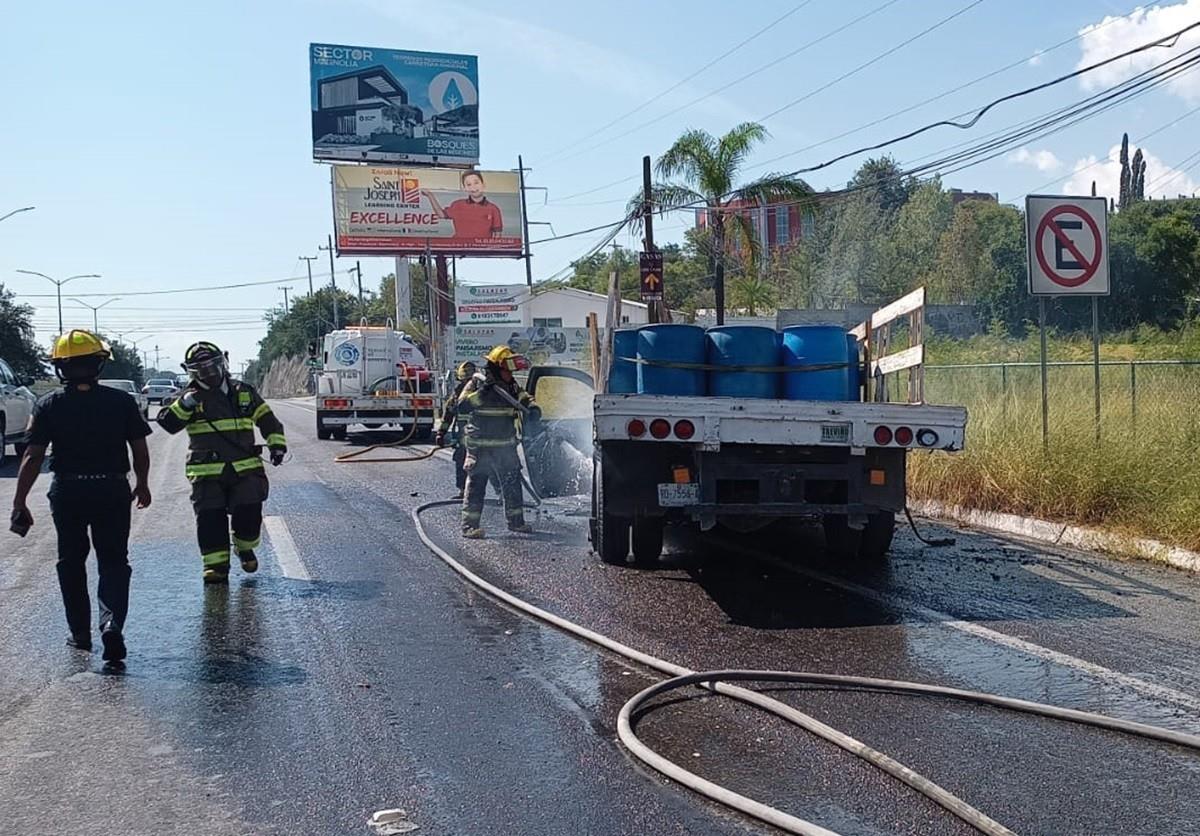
875	337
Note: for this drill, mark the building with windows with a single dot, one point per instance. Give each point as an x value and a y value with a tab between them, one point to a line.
362	103
775	225
568	307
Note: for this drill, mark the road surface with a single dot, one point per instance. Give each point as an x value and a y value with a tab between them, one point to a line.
356	673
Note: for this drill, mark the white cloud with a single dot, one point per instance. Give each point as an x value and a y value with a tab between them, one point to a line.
1114	35
1043	160
1035	60
1161	179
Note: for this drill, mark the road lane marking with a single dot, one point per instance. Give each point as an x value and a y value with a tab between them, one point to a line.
285	549
1141	686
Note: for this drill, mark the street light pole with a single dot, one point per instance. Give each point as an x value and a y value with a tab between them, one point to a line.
17	212
287	309
95	312
332	280
58	286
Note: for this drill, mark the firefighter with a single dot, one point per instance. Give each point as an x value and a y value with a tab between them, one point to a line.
90	431
489	406
449	422
229	484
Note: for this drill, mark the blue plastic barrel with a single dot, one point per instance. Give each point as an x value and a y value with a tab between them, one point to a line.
809	345
670	343
743	345
623	373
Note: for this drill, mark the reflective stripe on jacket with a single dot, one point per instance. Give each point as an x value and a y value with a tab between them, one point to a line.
221	429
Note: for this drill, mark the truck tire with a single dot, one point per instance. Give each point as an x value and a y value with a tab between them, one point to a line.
339	432
869	544
610	535
324	433
647	540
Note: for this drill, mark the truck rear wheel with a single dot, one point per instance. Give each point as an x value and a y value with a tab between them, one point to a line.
871	543
339	433
647	540
324	432
610	534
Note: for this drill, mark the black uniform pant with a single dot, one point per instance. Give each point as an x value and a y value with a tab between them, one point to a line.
232	500
460	473
493	464
99	508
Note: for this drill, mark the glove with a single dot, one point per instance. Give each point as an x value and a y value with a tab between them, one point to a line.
277	454
440	439
188	400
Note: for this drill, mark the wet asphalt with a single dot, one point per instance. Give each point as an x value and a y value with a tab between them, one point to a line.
282	705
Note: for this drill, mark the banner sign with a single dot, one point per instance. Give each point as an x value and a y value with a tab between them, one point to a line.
651	267
393	105
543	346
381	210
490	304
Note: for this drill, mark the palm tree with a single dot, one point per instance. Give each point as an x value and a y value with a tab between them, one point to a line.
753	293
699	170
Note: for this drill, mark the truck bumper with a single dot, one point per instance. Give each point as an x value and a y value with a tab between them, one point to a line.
362	416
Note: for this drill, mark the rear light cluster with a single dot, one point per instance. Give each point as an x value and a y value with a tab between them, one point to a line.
337	403
660	429
904	437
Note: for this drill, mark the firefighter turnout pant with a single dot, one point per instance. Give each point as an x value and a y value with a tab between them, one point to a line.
502	464
228	499
99	506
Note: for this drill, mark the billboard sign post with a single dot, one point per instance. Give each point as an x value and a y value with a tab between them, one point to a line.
543	346
1067	246
394	105
384	210
489	304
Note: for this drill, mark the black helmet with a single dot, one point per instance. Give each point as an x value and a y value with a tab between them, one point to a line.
205	362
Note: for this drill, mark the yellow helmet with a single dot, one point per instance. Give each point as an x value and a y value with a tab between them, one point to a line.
79	343
465	370
505	358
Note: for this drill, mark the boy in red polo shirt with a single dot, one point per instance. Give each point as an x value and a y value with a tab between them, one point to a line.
473	217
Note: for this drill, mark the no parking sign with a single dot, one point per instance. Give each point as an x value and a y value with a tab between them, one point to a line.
1068	245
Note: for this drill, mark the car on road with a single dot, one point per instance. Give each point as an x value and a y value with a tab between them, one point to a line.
129	387
159	388
16	408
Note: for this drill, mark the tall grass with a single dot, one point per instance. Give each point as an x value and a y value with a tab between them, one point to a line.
1142	477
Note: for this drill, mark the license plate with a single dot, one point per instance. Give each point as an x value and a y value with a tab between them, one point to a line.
835	433
679	496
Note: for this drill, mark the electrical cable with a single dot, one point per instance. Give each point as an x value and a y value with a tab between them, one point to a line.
715	681
125	293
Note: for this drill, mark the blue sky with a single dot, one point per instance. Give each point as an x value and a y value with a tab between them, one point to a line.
167	145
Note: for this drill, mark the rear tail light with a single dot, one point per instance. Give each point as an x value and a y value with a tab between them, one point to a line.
636	428
684	430
883	436
660	428
336	403
927	438
904	436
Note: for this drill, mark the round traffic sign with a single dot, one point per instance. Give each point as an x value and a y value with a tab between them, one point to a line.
1088	266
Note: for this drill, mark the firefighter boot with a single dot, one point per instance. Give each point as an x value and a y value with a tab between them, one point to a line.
249	560
473	533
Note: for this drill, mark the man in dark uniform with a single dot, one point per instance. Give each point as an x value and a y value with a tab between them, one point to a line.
450	422
229	484
90	430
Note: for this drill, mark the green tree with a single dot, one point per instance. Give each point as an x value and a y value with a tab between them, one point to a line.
701	170
18	346
753	293
125	364
885	182
911	250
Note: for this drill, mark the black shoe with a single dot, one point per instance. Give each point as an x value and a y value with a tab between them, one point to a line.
80	641
249	561
114	645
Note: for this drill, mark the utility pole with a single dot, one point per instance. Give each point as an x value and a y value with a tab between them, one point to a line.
362	305
332	281
287	308
156	357
525	222
652	307
308	260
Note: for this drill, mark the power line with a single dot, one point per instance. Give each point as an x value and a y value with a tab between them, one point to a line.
552	155
181	289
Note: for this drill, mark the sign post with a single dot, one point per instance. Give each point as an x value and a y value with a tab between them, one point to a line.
652	276
1067	239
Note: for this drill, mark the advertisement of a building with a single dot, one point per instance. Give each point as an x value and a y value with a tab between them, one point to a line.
490	304
383	210
543	346
394	106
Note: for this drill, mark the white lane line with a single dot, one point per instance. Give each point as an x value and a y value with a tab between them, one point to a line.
1149	689
285	549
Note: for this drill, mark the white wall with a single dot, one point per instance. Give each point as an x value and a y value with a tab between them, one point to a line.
573	309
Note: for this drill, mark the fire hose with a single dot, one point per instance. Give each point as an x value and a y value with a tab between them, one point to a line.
717	681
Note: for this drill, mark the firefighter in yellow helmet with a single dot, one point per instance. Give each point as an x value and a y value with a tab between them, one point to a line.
449	422
90	431
229	483
490	405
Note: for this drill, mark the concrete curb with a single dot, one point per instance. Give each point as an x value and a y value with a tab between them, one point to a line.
1042	531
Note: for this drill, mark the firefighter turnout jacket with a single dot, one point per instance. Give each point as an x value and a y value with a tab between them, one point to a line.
490	420
220	430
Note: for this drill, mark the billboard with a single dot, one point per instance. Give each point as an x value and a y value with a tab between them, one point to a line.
489	304
383	210
543	346
393	105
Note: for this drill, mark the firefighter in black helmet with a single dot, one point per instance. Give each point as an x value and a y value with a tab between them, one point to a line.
229	484
90	431
450	421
